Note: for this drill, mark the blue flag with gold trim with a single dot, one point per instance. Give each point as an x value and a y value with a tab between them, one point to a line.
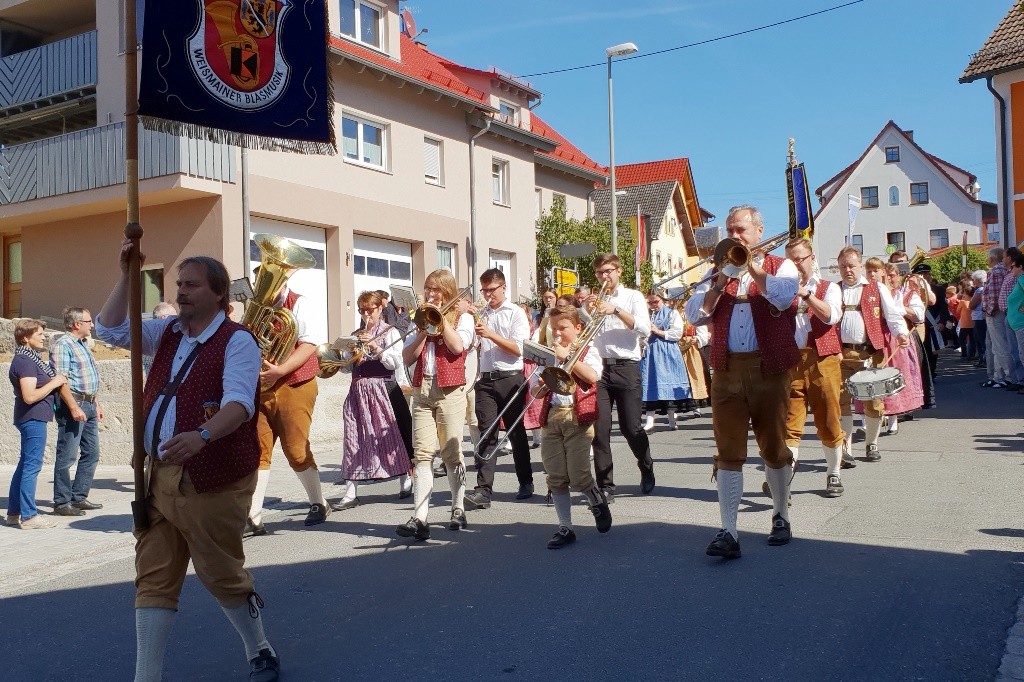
247	72
801	211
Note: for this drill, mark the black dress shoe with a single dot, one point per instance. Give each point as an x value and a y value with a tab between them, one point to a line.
86	505
253	529
458	520
68	510
847	462
346	504
724	545
562	537
317	514
780	534
602	517
647	481
477	499
872	454
265	667
414	528
525	491
405	494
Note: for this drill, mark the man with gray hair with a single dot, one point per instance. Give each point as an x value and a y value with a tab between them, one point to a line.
997	351
77	418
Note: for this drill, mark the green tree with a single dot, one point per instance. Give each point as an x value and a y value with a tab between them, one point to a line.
947	267
555	229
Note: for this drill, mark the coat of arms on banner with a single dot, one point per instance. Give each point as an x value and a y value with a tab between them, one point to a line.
236	52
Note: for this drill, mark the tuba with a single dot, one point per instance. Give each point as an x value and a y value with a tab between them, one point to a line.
274	328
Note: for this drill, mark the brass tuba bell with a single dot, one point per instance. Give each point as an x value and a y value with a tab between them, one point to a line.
274	328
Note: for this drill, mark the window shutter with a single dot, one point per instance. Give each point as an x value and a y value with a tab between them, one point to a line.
432	161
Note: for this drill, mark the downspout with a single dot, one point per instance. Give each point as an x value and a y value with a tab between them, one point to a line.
472	200
1002	163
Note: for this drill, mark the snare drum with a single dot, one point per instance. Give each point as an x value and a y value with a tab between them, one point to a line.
875	383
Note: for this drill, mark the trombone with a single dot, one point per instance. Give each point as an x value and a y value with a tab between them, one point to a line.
731	257
429	318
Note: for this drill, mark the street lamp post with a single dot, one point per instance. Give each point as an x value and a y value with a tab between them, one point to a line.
614	51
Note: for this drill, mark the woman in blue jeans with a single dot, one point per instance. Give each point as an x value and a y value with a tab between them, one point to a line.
35	384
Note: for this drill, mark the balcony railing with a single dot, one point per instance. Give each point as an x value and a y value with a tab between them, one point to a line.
64	66
94	158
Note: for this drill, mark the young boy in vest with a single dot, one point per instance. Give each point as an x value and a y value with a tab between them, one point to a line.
568	430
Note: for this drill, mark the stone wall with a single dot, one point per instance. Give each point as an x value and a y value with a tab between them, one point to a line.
116	430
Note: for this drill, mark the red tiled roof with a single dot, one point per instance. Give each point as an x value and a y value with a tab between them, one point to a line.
418	64
653	171
973	247
566	151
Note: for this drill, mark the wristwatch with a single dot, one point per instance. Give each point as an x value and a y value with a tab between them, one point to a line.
615	311
205	435
805	296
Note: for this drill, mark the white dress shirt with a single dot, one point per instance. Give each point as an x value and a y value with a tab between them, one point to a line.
507	320
675	326
915	305
465	329
616	340
851	327
241	373
833	299
593	360
782	287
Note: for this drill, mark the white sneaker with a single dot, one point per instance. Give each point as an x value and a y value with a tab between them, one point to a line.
649	424
37	521
671	420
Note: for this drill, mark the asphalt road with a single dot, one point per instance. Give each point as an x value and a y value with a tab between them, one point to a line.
913	574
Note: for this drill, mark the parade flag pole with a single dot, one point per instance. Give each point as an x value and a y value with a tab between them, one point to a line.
133	231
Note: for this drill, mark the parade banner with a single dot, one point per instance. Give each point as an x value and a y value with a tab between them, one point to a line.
801	212
252	73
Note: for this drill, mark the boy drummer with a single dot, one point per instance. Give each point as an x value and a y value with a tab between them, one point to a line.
568	430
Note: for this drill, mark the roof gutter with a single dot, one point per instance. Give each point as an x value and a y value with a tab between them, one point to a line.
1004	177
472	199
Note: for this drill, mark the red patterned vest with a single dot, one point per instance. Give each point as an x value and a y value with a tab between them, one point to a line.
874	326
824	336
774	330
226	459
311	367
450	367
584	402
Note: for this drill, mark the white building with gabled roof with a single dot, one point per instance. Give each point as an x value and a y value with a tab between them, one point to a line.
909	198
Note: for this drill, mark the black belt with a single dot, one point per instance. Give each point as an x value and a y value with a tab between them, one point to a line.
502	374
84	397
859	346
616	362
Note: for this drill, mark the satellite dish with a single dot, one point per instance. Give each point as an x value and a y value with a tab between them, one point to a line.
408	24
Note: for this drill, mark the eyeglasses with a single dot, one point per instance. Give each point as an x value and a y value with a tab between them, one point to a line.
606	271
490	290
798	261
86	321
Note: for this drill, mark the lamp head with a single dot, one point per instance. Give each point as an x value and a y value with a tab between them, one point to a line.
621	50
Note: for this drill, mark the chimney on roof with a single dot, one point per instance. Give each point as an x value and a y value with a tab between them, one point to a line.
909	134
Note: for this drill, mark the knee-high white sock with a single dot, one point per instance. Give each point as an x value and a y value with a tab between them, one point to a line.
730	490
474	435
832	457
310	480
563	507
795	449
152	628
256	508
457	482
846	421
872	427
351	491
778	481
249	629
421	488
671	419
405	482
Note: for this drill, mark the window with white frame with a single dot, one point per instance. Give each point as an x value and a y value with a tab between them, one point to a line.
433	161
364	141
362	21
540	202
858	242
938	238
446	256
919	193
508	112
670	225
499	182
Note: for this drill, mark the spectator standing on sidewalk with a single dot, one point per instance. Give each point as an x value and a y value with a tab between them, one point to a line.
1015	369
978	278
1015	303
35	387
997	353
76	438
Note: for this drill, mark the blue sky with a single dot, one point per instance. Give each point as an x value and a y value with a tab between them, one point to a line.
830	81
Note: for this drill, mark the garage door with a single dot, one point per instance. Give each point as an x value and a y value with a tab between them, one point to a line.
379	263
309	282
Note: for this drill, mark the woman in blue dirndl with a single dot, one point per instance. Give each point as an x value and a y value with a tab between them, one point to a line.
666	385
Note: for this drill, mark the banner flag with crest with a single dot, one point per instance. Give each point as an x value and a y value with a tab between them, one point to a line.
801	211
252	73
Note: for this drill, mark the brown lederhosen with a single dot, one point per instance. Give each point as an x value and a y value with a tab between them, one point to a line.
815	387
853	362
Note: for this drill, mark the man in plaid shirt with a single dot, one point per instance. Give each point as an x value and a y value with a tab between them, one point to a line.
1015	370
997	352
78	419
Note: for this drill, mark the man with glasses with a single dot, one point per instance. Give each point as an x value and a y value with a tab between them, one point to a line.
501	329
78	416
626	321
